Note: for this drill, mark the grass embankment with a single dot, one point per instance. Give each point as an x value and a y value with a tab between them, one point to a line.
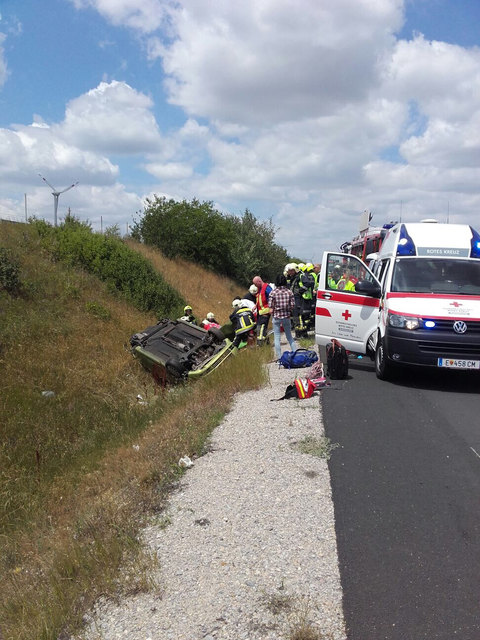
83	469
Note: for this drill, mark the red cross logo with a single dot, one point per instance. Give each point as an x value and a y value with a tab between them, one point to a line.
346	314
455	304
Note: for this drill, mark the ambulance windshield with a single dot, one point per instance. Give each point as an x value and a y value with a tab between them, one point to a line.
436	275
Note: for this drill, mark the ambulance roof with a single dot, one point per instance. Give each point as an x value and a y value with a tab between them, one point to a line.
428	239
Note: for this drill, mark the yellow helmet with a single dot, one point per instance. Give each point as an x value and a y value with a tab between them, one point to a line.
301	266
309	266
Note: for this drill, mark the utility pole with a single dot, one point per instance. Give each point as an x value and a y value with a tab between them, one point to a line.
56	194
26	215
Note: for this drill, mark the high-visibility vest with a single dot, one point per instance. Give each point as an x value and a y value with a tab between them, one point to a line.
346	285
262	302
331	283
305	388
306	284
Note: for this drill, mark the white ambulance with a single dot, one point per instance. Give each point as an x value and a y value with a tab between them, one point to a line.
419	304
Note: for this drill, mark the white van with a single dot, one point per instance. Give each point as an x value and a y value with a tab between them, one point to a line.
419	304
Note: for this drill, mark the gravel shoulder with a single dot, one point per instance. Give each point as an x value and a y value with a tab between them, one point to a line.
249	551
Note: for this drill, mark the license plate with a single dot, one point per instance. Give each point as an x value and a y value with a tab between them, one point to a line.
458	364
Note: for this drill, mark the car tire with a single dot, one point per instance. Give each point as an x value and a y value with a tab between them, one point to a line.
383	367
175	369
216	334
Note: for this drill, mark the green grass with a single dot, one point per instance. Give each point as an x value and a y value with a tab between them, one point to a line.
83	470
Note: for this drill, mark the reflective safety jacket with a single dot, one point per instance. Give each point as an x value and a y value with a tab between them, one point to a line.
345	285
242	320
305	388
262	300
306	284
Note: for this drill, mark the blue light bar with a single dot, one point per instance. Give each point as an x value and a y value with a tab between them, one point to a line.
475	244
406	246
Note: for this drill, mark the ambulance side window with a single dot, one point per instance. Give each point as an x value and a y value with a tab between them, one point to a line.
344	271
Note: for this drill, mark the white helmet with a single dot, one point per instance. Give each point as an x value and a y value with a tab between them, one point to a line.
236	303
253	289
210	315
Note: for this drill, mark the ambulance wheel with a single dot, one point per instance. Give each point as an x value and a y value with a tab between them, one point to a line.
383	368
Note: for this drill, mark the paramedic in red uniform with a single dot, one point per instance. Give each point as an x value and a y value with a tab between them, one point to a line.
263	310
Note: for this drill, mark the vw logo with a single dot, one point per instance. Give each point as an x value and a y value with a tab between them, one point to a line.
459	326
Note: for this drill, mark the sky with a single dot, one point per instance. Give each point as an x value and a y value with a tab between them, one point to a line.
306	112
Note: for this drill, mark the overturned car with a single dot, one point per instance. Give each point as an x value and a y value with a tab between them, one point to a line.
173	350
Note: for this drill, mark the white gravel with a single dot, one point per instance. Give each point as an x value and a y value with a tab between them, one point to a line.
250	549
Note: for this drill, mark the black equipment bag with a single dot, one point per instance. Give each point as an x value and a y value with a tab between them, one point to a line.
337	360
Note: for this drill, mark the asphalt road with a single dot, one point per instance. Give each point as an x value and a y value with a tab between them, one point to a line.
406	490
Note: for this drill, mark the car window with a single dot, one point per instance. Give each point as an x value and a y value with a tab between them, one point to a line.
345	271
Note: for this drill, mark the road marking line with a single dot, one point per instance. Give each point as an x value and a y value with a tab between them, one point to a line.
478	455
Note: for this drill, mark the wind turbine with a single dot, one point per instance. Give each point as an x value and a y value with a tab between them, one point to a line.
56	195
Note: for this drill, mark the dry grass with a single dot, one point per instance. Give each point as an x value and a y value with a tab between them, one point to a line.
321	447
81	472
293	615
204	290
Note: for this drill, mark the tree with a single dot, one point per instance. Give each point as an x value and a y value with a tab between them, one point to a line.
255	252
238	247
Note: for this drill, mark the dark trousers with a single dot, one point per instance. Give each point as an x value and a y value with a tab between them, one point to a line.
241	337
262	327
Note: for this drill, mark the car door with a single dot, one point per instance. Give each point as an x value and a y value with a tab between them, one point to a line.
342	312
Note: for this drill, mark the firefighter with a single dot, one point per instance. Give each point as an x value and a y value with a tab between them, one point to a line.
291	274
242	321
347	281
306	285
316	275
252	294
263	310
334	276
188	315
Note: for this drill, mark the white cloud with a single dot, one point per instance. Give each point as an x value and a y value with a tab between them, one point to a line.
112	118
444	79
29	149
260	62
143	15
170	170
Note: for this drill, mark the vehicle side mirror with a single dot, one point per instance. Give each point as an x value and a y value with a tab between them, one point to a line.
368	288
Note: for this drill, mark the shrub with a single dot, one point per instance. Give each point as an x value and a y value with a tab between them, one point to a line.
9	271
97	310
125	271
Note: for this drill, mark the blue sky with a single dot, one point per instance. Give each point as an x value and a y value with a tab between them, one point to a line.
306	116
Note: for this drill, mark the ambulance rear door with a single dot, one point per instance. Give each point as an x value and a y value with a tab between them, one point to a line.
343	312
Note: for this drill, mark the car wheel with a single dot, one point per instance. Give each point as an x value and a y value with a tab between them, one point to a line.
216	334
383	367
175	369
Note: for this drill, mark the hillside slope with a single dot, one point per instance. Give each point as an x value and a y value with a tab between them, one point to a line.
87	441
204	290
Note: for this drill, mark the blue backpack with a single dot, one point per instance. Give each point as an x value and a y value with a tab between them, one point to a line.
297	359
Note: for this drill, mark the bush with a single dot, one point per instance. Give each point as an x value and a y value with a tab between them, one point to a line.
124	270
9	271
